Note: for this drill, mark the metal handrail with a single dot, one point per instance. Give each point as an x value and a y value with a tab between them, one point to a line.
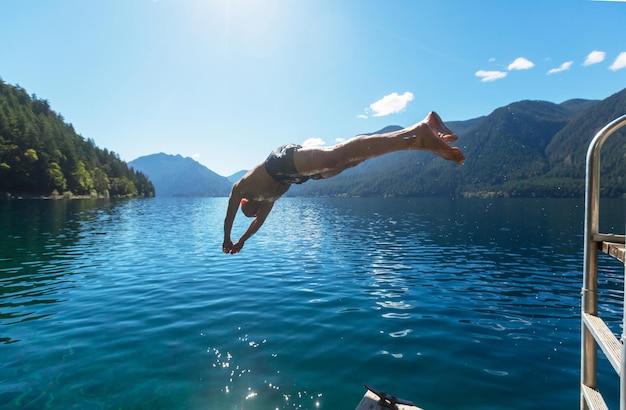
590	263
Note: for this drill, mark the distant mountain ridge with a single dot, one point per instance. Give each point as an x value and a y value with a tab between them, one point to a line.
236	176
527	148
173	175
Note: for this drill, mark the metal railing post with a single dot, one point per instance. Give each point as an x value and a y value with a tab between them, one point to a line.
622	378
590	264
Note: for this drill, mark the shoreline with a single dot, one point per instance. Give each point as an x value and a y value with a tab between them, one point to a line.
7	196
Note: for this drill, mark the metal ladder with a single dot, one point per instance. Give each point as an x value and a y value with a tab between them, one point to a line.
595	332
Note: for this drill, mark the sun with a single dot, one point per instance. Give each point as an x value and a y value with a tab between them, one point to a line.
250	24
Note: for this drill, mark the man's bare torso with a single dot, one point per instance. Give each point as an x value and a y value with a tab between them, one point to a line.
258	185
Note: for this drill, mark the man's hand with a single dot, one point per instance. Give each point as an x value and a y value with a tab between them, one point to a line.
237	247
227	246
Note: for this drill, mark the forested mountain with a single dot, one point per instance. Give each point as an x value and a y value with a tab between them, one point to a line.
42	155
567	151
174	175
528	148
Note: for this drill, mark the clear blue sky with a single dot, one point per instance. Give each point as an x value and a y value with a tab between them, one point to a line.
225	82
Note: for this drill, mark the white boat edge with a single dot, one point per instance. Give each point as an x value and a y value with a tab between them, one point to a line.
371	401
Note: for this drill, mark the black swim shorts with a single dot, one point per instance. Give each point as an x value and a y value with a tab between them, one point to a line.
279	164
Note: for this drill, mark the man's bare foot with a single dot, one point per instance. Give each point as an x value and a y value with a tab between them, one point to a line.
435	122
431	142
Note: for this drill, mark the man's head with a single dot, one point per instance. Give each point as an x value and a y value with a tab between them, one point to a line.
250	208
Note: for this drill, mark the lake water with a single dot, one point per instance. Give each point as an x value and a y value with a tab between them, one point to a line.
453	304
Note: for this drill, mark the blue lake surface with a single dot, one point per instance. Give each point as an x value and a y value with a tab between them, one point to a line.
453	304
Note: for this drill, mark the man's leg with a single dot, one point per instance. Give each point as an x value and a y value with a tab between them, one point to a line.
430	134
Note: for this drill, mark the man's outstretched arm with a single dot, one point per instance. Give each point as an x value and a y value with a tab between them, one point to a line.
264	211
231	211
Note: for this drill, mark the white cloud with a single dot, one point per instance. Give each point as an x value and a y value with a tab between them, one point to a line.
195	156
339	140
362	116
620	62
391	104
521	63
595	57
487	76
563	67
314	142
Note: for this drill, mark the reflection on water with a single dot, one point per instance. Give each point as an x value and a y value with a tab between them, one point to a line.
451	303
36	237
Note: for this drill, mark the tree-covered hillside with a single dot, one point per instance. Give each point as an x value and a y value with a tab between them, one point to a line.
567	152
42	155
509	146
